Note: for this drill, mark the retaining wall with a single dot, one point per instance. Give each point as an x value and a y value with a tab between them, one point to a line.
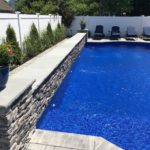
20	110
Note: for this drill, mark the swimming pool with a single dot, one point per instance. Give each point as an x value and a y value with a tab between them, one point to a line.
106	93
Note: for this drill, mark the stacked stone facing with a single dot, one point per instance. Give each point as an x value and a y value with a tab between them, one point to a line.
18	121
15	122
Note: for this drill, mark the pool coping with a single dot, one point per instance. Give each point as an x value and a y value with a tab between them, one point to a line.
136	40
54	140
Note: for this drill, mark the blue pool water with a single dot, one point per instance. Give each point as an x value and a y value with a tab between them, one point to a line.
107	94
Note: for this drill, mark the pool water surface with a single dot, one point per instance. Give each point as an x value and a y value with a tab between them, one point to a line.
107	94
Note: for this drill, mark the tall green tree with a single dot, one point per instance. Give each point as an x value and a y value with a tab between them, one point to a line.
32	43
86	7
64	8
12	40
115	7
141	7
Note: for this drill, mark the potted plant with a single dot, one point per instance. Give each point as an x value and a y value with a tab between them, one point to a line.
82	23
6	54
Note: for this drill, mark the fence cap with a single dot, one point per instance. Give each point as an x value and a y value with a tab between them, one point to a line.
37	14
17	12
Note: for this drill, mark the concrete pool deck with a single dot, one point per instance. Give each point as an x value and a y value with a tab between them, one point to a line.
52	140
119	40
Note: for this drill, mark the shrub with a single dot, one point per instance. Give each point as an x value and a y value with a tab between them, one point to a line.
63	32
47	37
59	33
32	44
11	40
50	34
6	54
44	40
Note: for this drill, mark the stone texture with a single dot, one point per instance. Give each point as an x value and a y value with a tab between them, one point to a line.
18	121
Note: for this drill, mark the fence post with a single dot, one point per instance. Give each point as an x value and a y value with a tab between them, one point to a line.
50	17
38	19
142	24
19	28
87	20
57	18
54	18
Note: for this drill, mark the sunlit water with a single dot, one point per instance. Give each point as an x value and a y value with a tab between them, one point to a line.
107	94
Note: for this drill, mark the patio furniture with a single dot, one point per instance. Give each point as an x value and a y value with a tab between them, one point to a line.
131	33
99	32
115	32
146	33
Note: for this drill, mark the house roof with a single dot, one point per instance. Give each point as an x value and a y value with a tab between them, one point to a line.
4	7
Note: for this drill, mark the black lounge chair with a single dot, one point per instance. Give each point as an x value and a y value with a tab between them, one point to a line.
146	33
131	33
99	32
115	32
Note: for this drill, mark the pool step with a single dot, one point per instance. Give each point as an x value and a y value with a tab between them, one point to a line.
51	140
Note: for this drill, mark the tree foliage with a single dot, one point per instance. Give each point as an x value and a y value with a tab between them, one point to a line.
59	33
36	42
64	8
12	40
32	43
50	34
141	7
115	7
69	8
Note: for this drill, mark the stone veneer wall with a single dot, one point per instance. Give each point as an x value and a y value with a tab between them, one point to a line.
18	121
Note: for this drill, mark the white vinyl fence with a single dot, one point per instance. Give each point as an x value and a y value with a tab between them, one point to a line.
108	21
22	23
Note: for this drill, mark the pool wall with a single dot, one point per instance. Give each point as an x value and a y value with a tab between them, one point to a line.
23	101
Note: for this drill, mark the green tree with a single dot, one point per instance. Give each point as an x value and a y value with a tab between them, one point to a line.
67	10
32	44
11	40
70	8
64	8
59	33
50	34
47	37
141	7
49	8
115	7
88	7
